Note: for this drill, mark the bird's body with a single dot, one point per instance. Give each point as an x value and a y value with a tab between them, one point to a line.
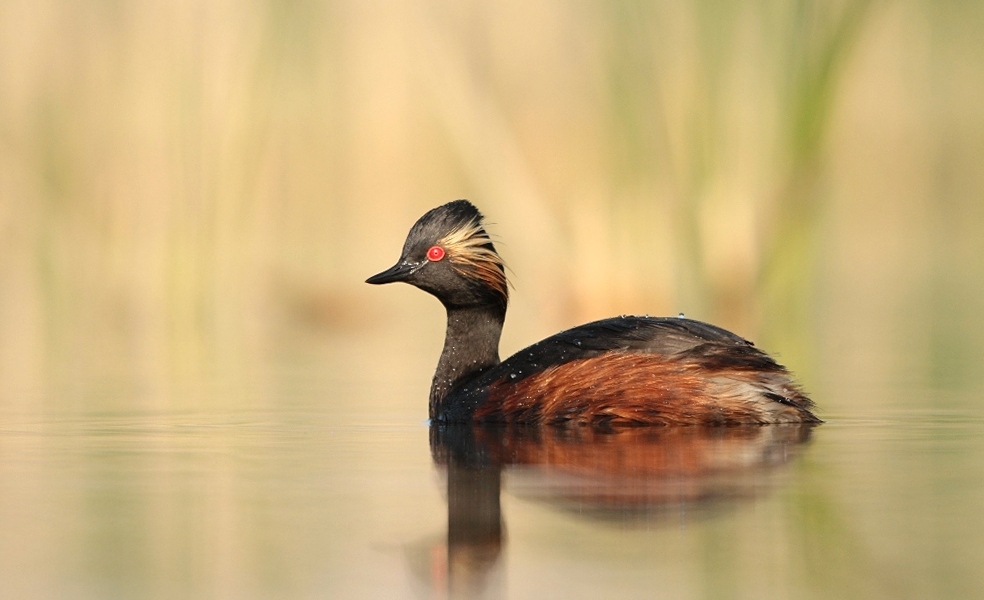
624	370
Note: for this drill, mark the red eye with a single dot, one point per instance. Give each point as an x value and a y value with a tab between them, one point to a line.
435	253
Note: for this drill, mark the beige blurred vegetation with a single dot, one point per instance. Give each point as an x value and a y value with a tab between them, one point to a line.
187	188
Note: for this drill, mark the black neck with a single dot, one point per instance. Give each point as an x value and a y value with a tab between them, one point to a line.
471	346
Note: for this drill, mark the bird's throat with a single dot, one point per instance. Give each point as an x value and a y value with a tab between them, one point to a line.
471	346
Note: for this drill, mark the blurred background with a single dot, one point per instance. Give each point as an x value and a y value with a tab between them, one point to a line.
186	188
199	396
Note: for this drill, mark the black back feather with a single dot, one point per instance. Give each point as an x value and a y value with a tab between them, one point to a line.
671	336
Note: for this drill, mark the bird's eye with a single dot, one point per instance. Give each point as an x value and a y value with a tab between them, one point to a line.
435	253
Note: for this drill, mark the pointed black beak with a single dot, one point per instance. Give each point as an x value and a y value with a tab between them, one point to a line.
398	272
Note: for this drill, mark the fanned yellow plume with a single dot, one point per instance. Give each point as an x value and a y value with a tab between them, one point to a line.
471	254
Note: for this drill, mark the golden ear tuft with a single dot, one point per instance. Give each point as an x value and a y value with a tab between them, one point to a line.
472	255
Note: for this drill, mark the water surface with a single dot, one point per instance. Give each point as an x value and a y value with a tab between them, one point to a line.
322	496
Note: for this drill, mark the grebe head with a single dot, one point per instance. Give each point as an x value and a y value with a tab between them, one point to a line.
449	254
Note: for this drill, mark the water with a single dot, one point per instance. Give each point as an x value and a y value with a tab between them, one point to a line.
327	486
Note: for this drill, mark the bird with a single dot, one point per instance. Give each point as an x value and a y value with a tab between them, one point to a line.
627	370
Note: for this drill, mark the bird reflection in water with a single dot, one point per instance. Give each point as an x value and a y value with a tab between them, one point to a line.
624	476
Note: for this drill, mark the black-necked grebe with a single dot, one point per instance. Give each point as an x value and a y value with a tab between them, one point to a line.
624	370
